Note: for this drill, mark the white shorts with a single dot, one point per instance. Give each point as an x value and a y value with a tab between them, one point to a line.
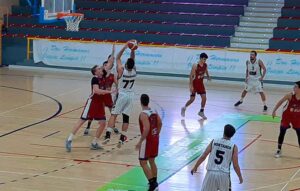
124	104
216	181
254	85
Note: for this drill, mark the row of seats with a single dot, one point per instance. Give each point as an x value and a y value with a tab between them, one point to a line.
158	26
286	36
165	7
205	18
208	23
113	34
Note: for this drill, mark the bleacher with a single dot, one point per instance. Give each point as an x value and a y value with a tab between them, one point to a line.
208	23
287	34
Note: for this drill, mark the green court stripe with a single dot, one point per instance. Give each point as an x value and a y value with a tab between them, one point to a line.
181	153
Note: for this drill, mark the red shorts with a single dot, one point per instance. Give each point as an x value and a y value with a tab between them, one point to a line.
288	124
108	102
288	120
199	88
149	149
94	109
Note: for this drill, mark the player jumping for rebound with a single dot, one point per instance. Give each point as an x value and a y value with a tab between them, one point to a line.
124	102
94	108
110	79
197	86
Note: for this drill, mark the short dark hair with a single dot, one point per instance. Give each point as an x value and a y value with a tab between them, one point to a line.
229	130
105	62
203	55
298	84
93	70
253	51
145	99
130	63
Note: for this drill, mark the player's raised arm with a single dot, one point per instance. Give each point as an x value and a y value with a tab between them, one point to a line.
202	158
132	54
236	165
119	62
111	58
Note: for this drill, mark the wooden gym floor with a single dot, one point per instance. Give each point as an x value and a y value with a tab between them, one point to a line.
38	108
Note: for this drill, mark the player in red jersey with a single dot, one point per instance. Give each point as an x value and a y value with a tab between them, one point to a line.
196	84
94	108
110	79
290	116
150	126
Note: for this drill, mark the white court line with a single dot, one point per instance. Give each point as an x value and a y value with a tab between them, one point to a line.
291	179
57	177
44	100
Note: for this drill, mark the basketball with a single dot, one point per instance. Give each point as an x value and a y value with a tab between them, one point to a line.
133	45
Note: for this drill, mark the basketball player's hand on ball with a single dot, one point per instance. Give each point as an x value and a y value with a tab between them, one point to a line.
130	41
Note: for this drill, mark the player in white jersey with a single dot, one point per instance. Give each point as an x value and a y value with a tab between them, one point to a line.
255	73
221	153
124	102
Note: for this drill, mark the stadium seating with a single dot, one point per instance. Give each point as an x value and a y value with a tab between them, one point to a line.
208	23
287	34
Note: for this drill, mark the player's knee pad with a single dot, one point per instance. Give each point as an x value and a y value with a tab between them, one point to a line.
125	118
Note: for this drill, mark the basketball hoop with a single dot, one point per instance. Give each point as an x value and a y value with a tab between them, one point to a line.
72	20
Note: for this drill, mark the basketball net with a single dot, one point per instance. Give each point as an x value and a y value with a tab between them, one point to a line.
72	20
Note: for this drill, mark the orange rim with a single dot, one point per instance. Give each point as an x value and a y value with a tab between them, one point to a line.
61	15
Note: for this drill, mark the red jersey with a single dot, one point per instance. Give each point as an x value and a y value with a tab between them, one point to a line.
149	148
198	80
109	80
97	81
94	107
291	114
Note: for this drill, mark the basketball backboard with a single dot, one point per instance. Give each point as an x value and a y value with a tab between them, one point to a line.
50	8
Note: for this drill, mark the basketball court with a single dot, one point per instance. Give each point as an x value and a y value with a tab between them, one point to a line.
39	107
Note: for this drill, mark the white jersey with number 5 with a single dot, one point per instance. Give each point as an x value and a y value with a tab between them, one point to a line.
221	155
127	81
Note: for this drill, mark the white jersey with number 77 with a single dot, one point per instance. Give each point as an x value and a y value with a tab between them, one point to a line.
126	83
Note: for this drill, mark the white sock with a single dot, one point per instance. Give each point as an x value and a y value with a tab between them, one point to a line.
70	137
264	102
95	141
242	99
